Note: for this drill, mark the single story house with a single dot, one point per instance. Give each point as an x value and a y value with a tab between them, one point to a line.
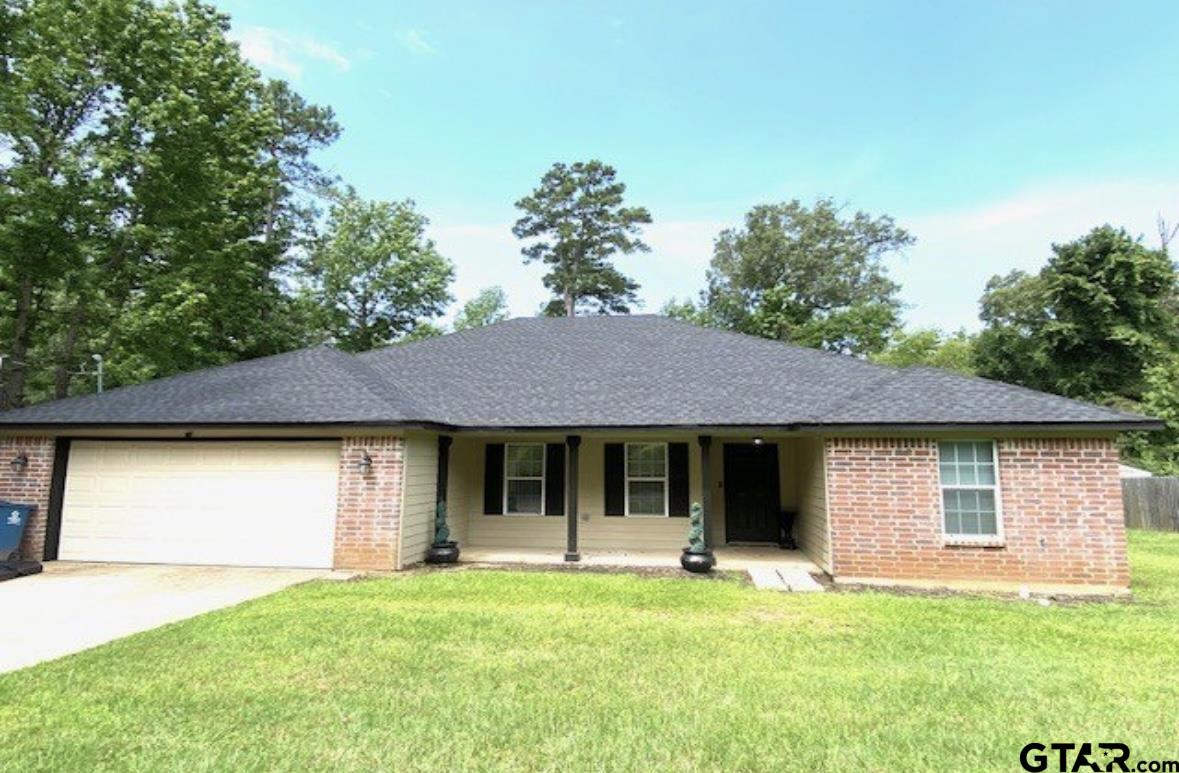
573	436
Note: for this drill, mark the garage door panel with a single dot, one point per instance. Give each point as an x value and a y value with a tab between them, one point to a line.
233	503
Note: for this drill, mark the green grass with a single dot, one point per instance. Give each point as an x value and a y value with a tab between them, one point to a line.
531	670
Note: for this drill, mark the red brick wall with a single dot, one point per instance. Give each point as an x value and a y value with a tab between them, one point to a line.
368	516
29	486
1061	505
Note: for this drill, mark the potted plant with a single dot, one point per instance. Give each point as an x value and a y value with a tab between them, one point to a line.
443	550
697	557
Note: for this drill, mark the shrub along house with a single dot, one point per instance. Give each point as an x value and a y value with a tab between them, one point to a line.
574	436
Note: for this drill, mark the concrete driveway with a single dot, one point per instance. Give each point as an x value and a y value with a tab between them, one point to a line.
74	606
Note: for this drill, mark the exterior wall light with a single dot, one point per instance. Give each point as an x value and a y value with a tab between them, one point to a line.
20	462
757	441
365	465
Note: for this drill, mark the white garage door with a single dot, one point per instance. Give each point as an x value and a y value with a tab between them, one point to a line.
217	503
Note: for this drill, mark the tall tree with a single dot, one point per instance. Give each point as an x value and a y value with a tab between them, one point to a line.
375	274
810	275
303	128
1011	347
1089	325
486	308
579	223
145	174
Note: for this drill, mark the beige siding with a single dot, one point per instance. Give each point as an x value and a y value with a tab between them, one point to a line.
596	531
460	490
812	530
508	531
417	514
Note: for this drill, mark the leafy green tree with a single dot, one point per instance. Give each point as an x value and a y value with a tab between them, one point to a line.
686	311
929	346
375	274
486	308
578	222
1158	451
1010	348
1089	325
145	193
810	275
421	332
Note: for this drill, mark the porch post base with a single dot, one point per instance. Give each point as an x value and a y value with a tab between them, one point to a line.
573	556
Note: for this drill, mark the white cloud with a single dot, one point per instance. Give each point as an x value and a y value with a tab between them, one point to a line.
957	251
414	41
287	52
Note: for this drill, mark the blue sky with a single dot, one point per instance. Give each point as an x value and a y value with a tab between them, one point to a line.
989	130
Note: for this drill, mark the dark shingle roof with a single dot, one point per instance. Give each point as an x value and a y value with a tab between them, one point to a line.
320	385
629	371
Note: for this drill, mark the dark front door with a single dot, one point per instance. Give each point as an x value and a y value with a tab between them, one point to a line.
751	492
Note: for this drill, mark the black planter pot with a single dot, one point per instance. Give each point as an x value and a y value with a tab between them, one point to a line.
442	553
698	563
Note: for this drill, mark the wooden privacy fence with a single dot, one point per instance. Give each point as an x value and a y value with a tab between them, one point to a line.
1151	503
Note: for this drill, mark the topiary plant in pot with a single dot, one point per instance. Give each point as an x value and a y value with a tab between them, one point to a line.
697	557
443	550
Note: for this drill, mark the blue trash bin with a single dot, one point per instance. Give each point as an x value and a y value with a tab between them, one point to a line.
13	518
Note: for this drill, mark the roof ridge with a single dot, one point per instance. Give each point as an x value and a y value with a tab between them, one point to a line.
788	344
371	382
398	346
855	394
172	377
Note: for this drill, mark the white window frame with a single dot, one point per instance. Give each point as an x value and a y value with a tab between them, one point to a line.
665	479
544	461
996	539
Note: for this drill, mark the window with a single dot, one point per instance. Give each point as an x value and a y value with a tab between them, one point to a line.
524	479
970	491
646	478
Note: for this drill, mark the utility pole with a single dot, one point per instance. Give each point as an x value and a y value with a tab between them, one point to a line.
98	363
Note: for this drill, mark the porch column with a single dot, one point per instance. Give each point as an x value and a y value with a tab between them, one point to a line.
572	443
705	442
440	485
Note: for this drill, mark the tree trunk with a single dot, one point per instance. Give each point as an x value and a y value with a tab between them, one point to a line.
570	304
61	375
14	381
271	215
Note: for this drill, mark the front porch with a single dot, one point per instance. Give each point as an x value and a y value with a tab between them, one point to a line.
622	499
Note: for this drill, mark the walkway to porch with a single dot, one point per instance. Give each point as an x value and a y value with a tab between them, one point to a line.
769	567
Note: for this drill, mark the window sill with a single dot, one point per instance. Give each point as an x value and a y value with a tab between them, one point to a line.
973	542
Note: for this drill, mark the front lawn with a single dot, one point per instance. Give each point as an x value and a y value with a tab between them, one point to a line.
528	670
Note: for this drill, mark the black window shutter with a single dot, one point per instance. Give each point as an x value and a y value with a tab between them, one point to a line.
615	466
554	479
493	479
677	475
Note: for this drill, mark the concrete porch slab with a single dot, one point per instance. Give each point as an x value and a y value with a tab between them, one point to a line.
787	579
791	568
